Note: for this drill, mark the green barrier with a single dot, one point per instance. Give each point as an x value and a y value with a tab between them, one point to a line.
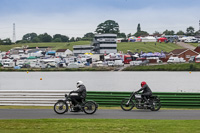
168	99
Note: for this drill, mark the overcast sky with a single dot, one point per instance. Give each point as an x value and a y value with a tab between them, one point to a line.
74	18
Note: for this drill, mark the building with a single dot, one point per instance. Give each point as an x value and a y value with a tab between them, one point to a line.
101	44
82	49
104	43
63	52
184	53
197	49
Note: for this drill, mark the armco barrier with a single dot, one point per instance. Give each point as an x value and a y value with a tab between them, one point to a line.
48	98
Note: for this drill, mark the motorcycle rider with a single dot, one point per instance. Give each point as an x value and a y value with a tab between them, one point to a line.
81	94
146	91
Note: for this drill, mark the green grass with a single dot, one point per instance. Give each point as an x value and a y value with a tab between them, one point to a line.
194	44
99	126
147	47
124	46
166	67
53	45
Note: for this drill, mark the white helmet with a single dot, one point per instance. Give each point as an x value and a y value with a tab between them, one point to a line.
79	83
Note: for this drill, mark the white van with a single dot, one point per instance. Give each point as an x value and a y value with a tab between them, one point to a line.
118	63
175	60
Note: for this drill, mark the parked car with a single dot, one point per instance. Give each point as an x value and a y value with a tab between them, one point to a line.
144	63
110	63
73	65
97	64
139	63
118	63
175	60
135	63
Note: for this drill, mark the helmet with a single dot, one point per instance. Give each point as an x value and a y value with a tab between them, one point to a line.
79	83
143	83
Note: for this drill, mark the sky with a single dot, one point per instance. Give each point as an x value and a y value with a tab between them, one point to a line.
74	18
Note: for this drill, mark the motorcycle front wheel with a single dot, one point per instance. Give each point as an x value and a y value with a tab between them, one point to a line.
156	105
89	107
127	106
60	107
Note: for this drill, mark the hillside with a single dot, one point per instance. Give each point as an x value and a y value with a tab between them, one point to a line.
133	47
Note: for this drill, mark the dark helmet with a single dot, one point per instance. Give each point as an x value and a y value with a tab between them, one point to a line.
143	83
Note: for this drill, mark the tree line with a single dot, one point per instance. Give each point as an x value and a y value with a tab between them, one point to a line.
109	26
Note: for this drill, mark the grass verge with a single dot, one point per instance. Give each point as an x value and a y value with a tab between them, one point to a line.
99	126
166	67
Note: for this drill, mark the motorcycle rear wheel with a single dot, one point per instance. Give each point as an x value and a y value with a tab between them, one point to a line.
60	107
125	106
156	105
89	107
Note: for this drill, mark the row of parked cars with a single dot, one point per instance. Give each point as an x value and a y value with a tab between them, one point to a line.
193	40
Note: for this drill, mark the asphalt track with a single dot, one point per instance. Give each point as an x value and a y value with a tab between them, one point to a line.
101	114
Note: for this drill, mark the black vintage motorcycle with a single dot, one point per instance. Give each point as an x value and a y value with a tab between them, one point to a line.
137	101
62	106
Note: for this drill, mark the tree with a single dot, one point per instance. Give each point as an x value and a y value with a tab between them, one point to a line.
156	33
167	32
141	33
180	32
72	39
138	28
36	39
121	35
88	36
61	38
109	26
129	35
197	33
1	42
56	36
45	37
78	38
190	31
29	37
57	40
64	38
6	41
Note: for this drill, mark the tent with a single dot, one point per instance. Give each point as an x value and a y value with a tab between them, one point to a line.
139	39
162	39
149	39
132	39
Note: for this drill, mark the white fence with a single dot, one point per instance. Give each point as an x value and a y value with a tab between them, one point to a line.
30	97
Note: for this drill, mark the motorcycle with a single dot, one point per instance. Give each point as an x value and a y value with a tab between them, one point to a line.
137	101
62	106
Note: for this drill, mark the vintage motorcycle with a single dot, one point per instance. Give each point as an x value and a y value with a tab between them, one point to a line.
137	101
62	106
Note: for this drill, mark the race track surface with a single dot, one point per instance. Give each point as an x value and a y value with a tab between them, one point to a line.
101	114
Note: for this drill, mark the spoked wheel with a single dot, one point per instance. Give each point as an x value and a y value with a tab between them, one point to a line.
127	105
60	107
89	107
156	105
